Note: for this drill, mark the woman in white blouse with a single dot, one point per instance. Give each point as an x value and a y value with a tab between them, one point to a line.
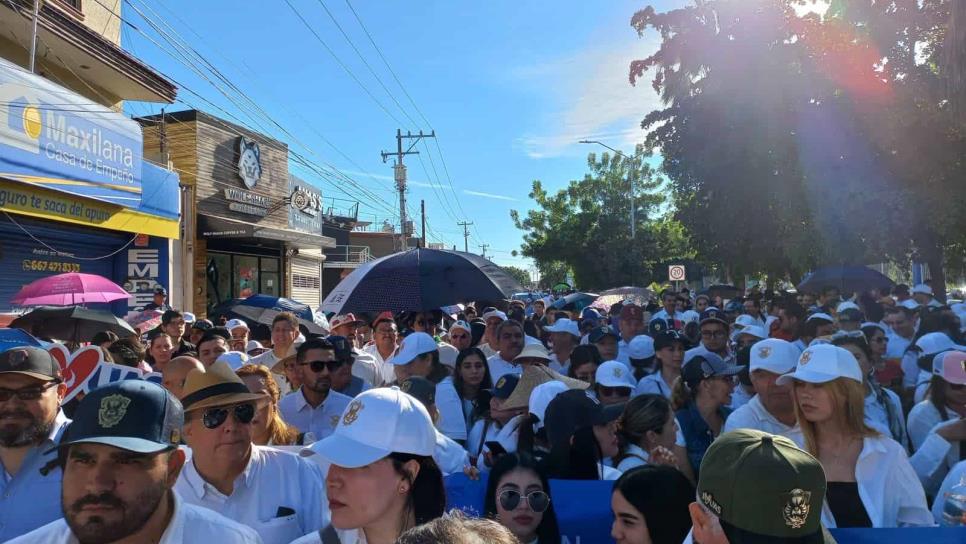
651	436
945	401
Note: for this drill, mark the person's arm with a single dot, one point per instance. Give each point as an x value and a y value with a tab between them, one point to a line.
912	510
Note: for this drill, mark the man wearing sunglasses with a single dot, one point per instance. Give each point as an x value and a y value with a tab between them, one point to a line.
31	422
277	493
315	407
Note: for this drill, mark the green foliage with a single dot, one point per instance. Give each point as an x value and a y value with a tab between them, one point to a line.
586	226
519	274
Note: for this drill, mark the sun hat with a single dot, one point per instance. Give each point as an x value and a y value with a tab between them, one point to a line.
823	363
533	351
376	423
774	355
218	385
533	376
613	374
413	345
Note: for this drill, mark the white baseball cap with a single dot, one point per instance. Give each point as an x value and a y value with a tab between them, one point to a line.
414	345
822	364
613	374
640	347
236	324
909	304
936	342
820	315
189	317
564	325
879	326
540	398
253	344
921	289
494	313
745	320
754	330
234	359
376	423
774	355
461	325
847	305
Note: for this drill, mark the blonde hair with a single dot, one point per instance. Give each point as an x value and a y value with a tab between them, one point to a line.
279	432
848	405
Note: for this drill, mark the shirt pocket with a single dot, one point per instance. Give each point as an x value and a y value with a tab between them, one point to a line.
280	530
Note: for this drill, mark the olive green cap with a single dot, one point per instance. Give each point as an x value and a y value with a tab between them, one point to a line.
763	487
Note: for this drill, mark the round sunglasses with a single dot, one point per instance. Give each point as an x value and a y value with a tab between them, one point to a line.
215	417
538	501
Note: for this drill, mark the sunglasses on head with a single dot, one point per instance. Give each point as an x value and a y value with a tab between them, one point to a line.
538	501
318	366
215	417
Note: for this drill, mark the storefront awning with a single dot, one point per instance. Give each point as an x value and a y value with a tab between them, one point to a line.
210	227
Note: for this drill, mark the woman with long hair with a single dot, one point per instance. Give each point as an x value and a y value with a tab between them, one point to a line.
650	505
668	354
870	480
382	479
701	398
582	434
471	376
494	423
650	436
518	497
584	360
268	427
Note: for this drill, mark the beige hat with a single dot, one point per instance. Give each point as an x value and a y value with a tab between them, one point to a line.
279	366
218	385
533	376
533	351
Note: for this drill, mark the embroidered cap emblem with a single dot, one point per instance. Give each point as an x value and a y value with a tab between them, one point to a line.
764	352
112	411
352	413
501	382
805	358
708	499
334	420
797	506
618	373
406	386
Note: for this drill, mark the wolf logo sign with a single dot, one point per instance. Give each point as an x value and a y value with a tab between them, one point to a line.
249	162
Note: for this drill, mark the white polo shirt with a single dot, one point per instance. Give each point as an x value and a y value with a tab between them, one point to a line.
321	420
500	368
189	524
279	494
382	370
754	415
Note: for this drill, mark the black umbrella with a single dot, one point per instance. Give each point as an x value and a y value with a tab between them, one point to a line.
420	279
847	279
73	323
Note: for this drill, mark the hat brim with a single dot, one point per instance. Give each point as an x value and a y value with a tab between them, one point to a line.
37	375
805	375
137	445
345	452
609	413
741	536
224	400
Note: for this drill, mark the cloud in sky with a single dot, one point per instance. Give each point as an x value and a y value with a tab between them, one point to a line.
594	99
412	183
489	195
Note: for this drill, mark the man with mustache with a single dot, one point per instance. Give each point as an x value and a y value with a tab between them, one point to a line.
120	460
315	408
31	422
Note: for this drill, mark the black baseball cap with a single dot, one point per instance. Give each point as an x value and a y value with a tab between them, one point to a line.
30	361
598	334
713	314
134	415
656	327
420	388
160	290
572	410
343	350
706	365
504	386
202	325
667	339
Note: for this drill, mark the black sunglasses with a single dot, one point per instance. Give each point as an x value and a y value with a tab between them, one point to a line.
31	393
215	417
318	366
537	500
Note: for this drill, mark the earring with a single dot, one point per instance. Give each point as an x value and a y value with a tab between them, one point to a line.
403	489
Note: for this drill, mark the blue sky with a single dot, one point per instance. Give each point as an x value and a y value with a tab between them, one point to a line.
509	88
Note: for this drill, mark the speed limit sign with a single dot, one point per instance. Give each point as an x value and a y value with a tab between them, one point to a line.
676	272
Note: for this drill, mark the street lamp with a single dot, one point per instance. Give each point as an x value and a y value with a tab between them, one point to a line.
630	179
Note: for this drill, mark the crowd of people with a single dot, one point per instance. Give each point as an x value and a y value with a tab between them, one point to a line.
765	417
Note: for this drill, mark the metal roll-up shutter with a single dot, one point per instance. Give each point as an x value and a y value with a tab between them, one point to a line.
306	281
23	259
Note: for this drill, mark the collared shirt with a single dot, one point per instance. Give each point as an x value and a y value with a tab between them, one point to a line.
754	415
346	536
653	383
321	420
29	499
557	365
622	353
888	487
189	524
487	350
877	414
356	385
662	314
269	359
635	457
452	420
380	372
279	494
184	347
499	368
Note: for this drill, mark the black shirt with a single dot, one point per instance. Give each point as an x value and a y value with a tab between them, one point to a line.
846	505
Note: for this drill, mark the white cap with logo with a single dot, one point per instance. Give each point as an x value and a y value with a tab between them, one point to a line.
564	325
824	363
236	324
774	355
936	342
376	423
614	374
414	345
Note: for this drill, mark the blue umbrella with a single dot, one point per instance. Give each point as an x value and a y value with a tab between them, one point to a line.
579	300
847	279
420	279
17	338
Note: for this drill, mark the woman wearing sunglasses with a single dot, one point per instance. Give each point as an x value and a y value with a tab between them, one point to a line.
701	398
518	497
276	493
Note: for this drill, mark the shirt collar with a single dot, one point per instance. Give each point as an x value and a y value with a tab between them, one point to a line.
200	487
58	428
175	529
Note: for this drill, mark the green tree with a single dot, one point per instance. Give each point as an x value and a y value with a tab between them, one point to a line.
519	274
552	273
586	225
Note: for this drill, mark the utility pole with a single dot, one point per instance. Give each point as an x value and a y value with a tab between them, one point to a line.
422	211
484	246
466	235
399	172
33	37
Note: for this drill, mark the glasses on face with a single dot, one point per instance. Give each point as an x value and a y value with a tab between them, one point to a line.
215	417
713	334
319	366
538	501
607	391
26	393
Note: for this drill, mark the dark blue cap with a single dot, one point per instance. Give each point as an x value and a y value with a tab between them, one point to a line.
343	350
160	290
657	326
599	333
505	386
134	415
713	314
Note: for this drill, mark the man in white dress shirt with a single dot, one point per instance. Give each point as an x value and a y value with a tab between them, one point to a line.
384	334
509	337
565	335
315	407
771	409
285	331
277	493
120	461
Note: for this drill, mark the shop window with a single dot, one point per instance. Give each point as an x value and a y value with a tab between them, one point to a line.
219	272
245	278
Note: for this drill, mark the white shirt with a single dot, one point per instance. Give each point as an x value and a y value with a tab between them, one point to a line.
475	441
653	383
499	368
452	421
346	536
321	420
888	487
189	525
269	359
956	476
487	350
608	473
272	480
383	371
924	420
896	347
636	457
365	368
877	417
622	353
754	415
449	455
740	397
558	366
662	314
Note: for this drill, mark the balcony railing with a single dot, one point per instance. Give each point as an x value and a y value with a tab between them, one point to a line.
347	256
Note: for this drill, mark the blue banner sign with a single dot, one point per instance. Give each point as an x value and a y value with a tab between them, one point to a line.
55	138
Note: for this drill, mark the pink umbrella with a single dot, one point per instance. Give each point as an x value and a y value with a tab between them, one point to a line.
68	289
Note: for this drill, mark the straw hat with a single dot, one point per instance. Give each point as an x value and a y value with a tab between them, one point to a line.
533	376
533	351
216	386
279	366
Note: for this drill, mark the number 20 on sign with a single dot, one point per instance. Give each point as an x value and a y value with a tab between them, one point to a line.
676	272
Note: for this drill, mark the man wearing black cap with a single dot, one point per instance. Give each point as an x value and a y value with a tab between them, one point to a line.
160	302
198	329
714	335
120	461
606	339
343	381
31	422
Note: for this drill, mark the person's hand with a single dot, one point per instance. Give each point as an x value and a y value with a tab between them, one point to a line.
660	455
471	472
953	432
